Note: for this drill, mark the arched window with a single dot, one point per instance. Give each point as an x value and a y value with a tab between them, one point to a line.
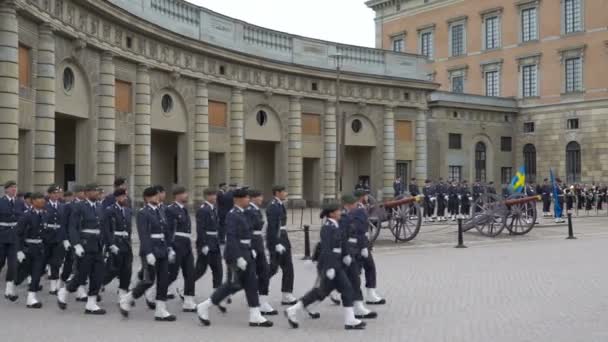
573	162
530	162
480	162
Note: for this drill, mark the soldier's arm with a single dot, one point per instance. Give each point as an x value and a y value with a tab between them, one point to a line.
232	239
21	231
143	229
107	223
272	233
74	227
201	224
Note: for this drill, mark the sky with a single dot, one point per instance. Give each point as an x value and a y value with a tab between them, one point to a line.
343	21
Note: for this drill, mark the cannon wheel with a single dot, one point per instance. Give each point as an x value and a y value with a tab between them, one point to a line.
373	229
522	217
490	219
405	222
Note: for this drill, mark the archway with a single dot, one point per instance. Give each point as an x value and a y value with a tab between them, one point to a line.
573	162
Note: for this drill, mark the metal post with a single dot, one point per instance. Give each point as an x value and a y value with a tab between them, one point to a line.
306	242
570	230
460	235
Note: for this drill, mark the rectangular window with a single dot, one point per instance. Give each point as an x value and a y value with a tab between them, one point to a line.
457	39
403	130
458	84
572	16
528	127
426	44
492	26
492	83
123	95
455	173
506	174
506	144
217	114
311	124
398	44
529	81
572	124
455	141
529	31
24	67
574	74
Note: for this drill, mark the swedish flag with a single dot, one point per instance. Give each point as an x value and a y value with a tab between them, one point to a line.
519	181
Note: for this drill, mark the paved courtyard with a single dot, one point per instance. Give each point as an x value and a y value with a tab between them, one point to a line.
535	288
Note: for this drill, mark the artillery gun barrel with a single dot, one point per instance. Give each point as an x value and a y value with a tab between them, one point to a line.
522	200
402	201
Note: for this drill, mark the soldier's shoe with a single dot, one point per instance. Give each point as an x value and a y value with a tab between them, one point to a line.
36	305
335	298
361	312
32	302
161	314
151	305
350	322
11	297
202	311
370	315
92	308
291	319
288	299
189	304
265	307
98	311
125	304
257	320
359	326
62	296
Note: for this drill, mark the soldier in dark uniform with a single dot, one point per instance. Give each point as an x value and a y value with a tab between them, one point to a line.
453	200
11	210
429	201
154	251
70	260
239	257
464	195
560	198
117	227
278	243
505	192
414	191
30	234
441	193
55	236
546	191
207	240
331	272
86	235
491	189
477	190
569	197
225	203
119	183
262	268
398	187
27	201
180	228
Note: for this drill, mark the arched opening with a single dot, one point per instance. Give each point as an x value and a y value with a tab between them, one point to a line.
262	146
530	162
480	162
573	162
360	141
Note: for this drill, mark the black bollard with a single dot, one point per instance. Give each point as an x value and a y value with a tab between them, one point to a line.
306	242
570	230
460	235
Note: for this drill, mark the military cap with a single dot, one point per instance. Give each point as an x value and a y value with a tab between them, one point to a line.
9	184
222	184
240	193
53	188
91	187
119	192
159	188
120	181
360	193
150	191
210	192
278	188
328	208
27	195
349	199
254	193
37	195
178	190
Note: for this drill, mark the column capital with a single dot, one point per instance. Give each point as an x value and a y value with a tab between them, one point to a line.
238	90
331	101
390	107
202	82
295	98
8	5
142	67
107	55
45	29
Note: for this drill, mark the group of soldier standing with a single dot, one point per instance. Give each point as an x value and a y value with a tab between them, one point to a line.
84	241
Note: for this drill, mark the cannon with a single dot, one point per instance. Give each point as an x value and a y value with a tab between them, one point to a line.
402	216
492	214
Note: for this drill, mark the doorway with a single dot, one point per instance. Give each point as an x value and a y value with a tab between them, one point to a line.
260	166
311	181
164	159
357	165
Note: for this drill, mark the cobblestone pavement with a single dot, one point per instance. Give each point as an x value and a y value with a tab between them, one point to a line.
540	287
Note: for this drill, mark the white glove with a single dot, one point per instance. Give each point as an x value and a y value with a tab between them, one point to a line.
78	250
365	253
151	259
114	249
205	250
254	254
445	197
470	198
222	249
433	199
20	256
347	260
459	197
171	255
330	274
280	248
66	245
241	263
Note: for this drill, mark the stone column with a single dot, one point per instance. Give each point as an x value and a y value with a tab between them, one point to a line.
421	147
388	153
330	140
201	141
44	138
106	123
143	131
237	137
294	150
9	91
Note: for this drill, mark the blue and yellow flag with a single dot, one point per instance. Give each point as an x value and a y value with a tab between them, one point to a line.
519	181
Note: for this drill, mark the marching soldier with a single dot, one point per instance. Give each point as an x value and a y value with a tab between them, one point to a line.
180	228
239	258
207	240
225	203
442	199
117	227
546	191
119	183
155	252
464	195
331	272
429	201
30	234
398	187
262	267
278	243
11	210
70	259
560	199
27	201
54	236
86	235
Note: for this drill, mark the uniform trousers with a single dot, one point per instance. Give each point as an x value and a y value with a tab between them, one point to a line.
325	286
353	271
33	264
369	268
429	208
465	207
120	266
213	260
285	262
546	204
239	280
8	255
262	268
54	253
184	260
89	267
159	273
68	265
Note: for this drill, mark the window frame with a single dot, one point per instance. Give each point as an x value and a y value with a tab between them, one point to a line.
527	124
532	88
509	174
529	159
490	67
396	39
533	5
453	146
506	147
573	120
460	21
574	162
451	173
564	18
430	30
488	15
458	72
481	159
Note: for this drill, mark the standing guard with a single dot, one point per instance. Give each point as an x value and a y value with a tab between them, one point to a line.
117	227
262	268
154	252
86	235
55	237
441	193
398	187
429	201
546	192
464	194
279	245
30	233
11	210
414	191
110	199
453	200
239	258
180	228
207	241
225	203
